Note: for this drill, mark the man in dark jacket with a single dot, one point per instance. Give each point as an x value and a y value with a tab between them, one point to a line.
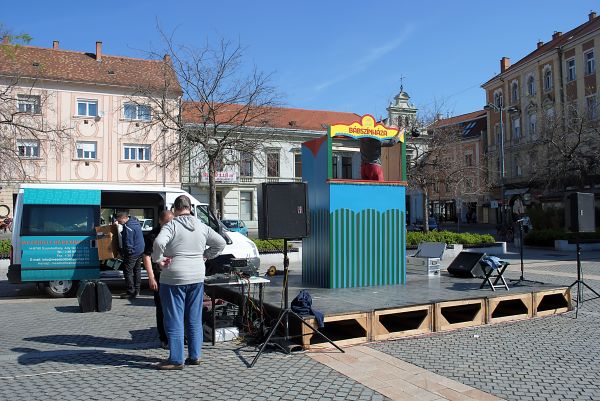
133	249
153	271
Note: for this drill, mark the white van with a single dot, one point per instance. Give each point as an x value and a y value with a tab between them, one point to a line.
54	236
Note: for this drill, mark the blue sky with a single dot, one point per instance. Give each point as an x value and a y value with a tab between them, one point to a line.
329	54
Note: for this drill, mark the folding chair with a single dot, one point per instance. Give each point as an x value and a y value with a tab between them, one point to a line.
491	265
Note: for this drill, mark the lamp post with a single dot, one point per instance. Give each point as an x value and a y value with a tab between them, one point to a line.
501	109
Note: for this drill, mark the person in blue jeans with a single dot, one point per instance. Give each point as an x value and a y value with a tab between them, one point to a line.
180	250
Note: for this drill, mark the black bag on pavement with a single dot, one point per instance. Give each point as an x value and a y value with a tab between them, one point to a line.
86	296
302	305
103	297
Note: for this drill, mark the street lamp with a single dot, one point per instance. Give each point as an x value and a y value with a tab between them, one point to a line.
500	109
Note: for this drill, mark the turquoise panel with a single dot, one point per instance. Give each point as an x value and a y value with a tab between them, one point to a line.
48	196
60	274
358	197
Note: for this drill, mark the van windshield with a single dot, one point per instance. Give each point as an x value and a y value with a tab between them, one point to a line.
204	215
59	220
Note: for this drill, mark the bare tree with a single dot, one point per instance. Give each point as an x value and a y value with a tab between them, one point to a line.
225	112
571	149
430	163
27	135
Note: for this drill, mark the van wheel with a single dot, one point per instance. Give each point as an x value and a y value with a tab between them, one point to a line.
61	288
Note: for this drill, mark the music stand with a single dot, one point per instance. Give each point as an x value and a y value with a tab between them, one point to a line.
284	317
579	282
522	278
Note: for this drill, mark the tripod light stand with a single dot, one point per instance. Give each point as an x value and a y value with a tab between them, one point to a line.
522	278
284	317
579	282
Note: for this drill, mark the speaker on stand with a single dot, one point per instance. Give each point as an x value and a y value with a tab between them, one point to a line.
580	217
283	214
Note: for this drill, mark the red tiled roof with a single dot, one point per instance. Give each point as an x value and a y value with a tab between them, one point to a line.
279	117
79	67
461	119
562	40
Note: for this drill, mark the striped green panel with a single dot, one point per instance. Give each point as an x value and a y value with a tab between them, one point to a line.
367	248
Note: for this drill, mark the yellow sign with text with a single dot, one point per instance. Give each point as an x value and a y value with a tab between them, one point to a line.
366	128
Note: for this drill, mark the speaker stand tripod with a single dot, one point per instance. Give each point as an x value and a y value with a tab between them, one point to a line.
579	282
284	318
522	278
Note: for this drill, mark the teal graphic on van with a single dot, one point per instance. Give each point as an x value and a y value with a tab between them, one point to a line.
59	258
48	196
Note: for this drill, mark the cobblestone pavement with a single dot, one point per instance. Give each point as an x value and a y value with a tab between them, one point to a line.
50	351
551	358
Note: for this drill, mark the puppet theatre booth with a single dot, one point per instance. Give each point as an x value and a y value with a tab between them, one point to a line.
357	236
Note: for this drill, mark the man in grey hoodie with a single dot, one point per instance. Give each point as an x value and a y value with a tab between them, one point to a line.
181	249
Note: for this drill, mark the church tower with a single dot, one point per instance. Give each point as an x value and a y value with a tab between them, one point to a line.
401	112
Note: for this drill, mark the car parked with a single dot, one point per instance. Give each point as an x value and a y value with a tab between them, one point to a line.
418	226
236	225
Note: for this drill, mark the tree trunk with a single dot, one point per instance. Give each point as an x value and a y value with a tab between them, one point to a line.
425	211
212	189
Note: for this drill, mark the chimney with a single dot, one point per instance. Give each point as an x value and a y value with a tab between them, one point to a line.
5	39
592	15
540	44
167	58
504	64
55	44
556	34
98	51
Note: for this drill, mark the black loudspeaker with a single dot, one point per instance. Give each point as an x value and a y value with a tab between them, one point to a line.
282	210
580	216
466	264
86	296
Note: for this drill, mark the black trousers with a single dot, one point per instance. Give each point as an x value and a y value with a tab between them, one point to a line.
132	270
160	326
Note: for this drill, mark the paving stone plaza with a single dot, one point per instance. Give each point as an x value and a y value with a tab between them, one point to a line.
48	350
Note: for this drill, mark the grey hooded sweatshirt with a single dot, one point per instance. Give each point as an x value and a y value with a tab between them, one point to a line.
185	240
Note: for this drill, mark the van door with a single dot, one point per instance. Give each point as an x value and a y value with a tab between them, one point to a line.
58	234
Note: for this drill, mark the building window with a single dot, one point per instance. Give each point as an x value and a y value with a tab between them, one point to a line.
334	166
469	160
136	152
347	167
87	108
571	76
133	111
29	104
518	170
297	165
514	92
532	125
85	150
590	65
516	126
497	135
246	205
498	99
592	107
28	148
246	162
531	85
548	79
273	164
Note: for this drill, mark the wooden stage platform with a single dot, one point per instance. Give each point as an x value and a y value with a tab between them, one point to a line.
422	305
